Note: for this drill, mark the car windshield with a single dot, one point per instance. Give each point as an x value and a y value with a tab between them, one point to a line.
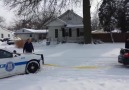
5	54
11	51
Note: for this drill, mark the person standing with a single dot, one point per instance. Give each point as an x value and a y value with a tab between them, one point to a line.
127	43
28	46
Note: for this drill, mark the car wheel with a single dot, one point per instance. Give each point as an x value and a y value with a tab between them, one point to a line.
32	67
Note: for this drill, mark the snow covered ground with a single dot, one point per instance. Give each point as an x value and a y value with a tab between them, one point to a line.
73	67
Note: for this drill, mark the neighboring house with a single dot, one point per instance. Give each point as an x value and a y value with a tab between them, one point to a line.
66	28
116	31
98	31
4	33
36	35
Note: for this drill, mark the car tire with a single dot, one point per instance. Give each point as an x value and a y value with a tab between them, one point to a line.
32	67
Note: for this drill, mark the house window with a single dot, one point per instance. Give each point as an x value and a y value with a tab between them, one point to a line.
56	33
81	32
78	32
2	35
8	35
70	32
63	32
30	35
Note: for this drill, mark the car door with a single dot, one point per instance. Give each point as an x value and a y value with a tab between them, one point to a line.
7	66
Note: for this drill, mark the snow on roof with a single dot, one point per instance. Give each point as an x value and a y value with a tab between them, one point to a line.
75	26
98	31
64	21
37	31
61	21
116	31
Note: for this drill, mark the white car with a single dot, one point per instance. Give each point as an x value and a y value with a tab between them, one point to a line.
12	63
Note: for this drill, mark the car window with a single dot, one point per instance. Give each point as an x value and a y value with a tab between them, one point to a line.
5	54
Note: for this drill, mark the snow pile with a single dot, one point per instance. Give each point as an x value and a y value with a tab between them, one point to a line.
74	67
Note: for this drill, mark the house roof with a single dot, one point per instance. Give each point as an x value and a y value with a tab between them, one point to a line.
68	11
69	19
116	31
61	22
98	31
75	26
37	31
27	31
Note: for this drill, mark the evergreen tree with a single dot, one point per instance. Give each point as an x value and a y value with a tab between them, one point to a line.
114	14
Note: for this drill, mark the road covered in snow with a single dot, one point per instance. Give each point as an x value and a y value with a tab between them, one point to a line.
73	67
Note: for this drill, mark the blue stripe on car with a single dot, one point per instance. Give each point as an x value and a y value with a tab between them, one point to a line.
16	64
20	63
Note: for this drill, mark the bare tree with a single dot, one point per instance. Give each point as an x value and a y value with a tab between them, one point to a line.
27	7
95	23
34	21
2	22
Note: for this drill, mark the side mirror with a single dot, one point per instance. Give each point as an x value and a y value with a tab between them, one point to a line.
15	55
14	51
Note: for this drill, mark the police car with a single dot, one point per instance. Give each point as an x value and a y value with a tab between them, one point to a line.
12	63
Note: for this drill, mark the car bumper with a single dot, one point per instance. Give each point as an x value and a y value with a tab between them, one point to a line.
120	59
42	57
123	60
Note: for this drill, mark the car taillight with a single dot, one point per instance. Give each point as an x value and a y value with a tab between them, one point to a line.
126	55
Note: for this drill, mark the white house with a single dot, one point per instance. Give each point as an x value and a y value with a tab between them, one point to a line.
4	33
68	27
36	35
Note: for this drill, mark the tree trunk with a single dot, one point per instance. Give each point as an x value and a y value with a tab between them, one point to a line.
87	21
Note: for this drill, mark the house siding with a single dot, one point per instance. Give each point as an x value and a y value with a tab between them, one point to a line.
69	18
6	34
26	33
74	38
75	19
35	37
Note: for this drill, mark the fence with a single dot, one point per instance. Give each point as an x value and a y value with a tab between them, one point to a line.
20	43
106	37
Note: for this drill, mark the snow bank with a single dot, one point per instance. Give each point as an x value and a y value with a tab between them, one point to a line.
61	70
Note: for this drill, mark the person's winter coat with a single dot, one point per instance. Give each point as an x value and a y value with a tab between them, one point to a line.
28	47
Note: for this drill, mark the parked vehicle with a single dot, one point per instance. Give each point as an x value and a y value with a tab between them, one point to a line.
4	39
12	63
10	42
1	39
124	56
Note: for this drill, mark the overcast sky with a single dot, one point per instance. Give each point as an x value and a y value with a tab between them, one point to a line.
6	13
9	15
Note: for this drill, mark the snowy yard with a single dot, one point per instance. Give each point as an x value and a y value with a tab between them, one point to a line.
73	67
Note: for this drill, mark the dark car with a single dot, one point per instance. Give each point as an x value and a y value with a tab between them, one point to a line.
124	56
1	40
4	39
10	42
